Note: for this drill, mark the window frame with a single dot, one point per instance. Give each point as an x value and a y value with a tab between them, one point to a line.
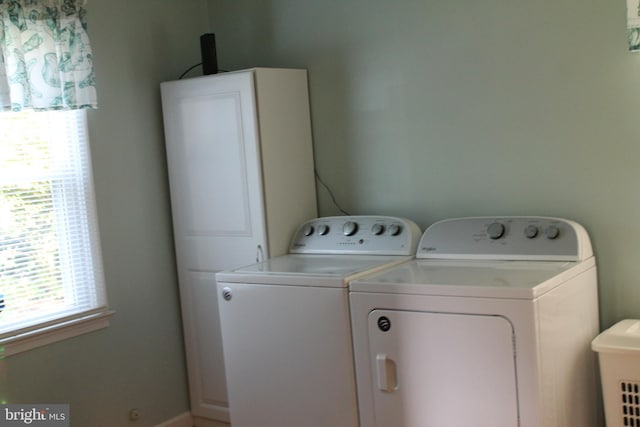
67	324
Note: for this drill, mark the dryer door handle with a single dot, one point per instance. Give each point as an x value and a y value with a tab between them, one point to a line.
387	373
259	253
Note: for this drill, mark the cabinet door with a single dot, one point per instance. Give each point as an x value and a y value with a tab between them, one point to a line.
214	170
442	370
205	359
217	206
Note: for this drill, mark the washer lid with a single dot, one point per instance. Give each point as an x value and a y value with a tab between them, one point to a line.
484	279
311	270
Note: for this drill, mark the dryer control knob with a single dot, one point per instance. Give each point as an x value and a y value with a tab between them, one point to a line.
395	229
495	230
350	228
531	231
377	229
308	230
323	229
552	232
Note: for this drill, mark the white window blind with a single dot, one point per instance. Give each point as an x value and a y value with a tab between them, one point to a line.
50	262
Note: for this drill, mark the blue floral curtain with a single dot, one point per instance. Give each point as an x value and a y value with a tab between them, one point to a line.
45	56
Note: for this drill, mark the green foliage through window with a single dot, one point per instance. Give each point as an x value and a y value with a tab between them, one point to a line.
49	263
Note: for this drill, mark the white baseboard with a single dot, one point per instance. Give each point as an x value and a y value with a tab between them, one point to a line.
182	420
205	422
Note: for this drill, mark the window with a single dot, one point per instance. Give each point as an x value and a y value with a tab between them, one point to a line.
51	280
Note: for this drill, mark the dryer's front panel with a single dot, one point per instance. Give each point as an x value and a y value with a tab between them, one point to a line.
435	369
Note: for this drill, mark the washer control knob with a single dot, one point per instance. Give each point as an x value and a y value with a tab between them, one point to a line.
308	230
496	230
377	229
323	229
349	228
531	231
395	229
552	232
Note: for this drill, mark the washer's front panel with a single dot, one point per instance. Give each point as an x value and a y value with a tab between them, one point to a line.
288	356
442	369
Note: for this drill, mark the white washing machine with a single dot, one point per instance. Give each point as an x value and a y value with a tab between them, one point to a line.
285	322
489	327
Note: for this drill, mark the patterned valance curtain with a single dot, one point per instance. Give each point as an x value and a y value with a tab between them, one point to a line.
45	57
633	24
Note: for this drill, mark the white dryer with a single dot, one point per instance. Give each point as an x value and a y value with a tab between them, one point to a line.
286	327
489	327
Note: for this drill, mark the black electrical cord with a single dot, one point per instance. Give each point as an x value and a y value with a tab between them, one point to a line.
330	193
192	67
189	69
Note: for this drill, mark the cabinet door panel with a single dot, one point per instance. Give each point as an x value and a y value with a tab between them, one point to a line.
215	171
216	192
205	356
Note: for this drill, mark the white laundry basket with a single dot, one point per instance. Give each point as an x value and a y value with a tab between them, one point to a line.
618	351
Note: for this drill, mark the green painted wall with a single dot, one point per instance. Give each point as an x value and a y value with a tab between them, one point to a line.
427	109
138	362
437	108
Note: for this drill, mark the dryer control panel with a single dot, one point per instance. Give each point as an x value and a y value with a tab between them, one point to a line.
366	235
506	238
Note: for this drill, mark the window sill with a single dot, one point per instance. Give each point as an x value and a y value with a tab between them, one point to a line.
54	333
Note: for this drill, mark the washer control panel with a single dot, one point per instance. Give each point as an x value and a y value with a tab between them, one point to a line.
506	238
367	235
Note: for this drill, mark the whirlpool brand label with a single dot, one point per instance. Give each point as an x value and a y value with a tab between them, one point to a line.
40	415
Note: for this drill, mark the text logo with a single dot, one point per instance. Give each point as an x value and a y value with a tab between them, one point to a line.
38	415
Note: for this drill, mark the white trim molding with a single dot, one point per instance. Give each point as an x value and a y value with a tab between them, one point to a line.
54	333
182	420
206	422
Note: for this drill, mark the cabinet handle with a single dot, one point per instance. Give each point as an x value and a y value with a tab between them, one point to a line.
387	374
259	254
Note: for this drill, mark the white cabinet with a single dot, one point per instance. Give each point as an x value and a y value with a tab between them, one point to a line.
241	177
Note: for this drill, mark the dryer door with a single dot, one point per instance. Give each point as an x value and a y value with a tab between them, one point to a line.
442	369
